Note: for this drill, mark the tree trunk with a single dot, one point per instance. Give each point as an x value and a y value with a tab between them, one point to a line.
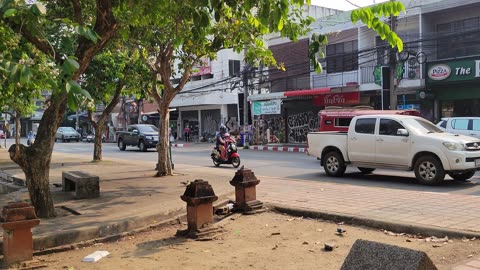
97	147
164	166
35	160
18	128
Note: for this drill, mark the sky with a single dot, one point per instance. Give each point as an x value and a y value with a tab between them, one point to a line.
344	4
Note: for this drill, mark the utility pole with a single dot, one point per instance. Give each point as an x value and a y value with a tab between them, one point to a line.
245	105
393	65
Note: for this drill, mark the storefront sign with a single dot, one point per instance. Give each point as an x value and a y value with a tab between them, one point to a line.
347	98
439	72
453	71
267	107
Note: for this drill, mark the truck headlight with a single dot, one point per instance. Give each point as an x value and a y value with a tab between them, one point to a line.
151	138
454	146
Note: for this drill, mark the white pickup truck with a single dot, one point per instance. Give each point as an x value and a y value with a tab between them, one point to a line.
397	142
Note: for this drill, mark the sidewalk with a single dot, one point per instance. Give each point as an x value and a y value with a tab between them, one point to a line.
132	198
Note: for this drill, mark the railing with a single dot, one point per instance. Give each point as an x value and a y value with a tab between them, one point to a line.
335	79
412	71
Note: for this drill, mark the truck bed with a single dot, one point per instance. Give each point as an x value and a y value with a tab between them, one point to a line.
317	141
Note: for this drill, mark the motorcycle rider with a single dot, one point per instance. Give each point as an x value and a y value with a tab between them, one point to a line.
221	142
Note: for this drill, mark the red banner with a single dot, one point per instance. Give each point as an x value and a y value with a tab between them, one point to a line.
332	99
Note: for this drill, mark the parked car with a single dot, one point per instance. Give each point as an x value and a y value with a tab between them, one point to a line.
142	136
66	134
401	142
469	126
2	134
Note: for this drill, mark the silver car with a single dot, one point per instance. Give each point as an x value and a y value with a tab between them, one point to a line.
66	134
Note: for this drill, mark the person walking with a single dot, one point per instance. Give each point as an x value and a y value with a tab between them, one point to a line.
186	132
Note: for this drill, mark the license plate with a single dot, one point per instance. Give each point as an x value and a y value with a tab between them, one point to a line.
477	162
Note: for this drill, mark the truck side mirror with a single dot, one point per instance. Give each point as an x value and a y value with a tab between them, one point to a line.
402	132
135	132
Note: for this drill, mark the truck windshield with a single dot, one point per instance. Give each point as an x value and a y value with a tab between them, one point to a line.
146	129
423	126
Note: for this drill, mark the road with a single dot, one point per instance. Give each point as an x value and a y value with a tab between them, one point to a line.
279	164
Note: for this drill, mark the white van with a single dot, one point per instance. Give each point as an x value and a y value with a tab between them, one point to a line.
469	126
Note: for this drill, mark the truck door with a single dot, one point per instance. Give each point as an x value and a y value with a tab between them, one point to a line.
128	135
361	140
390	147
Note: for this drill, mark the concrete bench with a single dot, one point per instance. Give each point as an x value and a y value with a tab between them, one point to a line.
84	185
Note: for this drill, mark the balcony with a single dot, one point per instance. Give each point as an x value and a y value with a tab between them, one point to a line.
335	79
412	71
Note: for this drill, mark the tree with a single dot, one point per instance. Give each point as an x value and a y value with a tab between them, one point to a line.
181	34
24	73
69	34
115	72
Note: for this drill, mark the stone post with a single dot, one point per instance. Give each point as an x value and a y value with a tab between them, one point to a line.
199	196
18	220
245	183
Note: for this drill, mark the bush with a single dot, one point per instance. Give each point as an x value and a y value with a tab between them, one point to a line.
281	137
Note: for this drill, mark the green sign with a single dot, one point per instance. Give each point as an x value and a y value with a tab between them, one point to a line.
453	71
267	107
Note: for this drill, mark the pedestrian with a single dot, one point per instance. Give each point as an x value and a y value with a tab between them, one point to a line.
186	132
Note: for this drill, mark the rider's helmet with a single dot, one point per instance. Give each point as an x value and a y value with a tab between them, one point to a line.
223	129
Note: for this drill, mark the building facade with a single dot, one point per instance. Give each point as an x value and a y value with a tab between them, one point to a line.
436	34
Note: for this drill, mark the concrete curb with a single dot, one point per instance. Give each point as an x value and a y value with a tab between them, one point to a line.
108	230
394	226
279	148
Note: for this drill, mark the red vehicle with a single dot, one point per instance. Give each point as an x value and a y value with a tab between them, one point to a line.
338	118
232	155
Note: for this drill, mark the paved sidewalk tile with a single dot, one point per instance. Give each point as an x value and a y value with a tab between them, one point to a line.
435	210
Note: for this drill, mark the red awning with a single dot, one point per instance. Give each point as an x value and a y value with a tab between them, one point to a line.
309	92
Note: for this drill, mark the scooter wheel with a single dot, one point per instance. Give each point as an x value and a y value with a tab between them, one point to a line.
216	163
236	162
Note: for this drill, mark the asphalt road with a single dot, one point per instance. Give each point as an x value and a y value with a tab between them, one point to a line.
282	165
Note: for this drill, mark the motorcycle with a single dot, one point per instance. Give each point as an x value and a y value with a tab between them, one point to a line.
232	155
30	139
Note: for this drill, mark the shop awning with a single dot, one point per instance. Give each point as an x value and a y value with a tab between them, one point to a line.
269	96
309	92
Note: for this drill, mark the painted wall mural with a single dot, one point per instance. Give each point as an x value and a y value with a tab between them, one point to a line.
300	124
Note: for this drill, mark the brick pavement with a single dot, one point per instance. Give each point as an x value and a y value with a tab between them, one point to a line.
441	211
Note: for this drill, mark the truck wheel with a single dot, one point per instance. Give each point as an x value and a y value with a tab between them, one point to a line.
462	176
121	145
142	146
334	164
429	171
366	170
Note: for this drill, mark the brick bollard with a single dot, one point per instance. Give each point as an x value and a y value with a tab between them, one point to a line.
245	183
199	196
18	219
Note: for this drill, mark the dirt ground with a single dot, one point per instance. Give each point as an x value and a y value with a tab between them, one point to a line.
263	241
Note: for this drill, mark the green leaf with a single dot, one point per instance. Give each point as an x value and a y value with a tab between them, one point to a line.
10	13
280	25
70	66
38	9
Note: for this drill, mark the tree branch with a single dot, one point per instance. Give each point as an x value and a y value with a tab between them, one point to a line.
77	11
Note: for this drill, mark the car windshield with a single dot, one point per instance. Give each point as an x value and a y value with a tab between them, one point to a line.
67	129
424	126
149	128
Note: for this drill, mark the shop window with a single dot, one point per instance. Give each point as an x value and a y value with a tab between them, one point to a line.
365	125
458	38
342	57
233	68
476	124
460	124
